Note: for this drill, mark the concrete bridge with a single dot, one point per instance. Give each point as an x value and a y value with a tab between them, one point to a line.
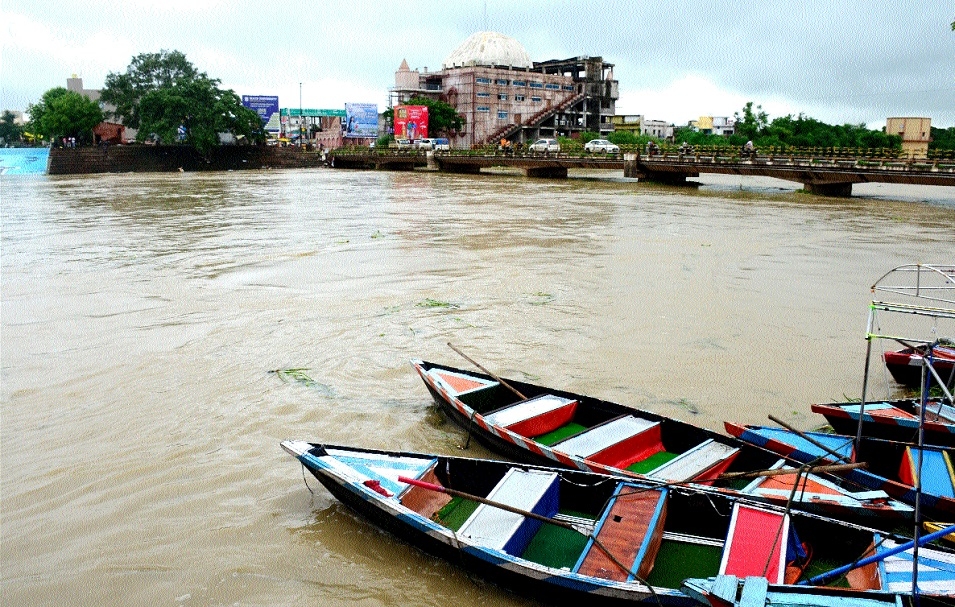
831	176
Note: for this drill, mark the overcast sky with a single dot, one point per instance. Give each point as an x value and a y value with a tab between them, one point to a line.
851	61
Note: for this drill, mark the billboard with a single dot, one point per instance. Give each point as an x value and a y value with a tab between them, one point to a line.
262	105
411	121
361	120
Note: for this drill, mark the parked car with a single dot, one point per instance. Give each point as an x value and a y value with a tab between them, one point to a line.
404	144
434	144
601	145
544	145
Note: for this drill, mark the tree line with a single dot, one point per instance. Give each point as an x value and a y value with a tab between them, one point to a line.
161	95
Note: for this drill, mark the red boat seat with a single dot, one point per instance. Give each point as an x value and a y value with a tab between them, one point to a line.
534	416
618	442
756	544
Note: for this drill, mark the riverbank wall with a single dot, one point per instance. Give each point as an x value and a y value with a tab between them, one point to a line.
172	158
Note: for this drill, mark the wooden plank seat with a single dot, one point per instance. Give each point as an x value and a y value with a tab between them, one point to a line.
364	468
936	570
631	529
618	442
705	461
937	475
425	502
534	416
459	384
756	544
532	490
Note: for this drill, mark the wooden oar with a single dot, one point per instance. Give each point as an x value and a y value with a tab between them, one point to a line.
790	471
496	378
810	439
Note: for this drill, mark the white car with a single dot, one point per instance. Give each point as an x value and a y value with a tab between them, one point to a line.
434	144
544	145
601	145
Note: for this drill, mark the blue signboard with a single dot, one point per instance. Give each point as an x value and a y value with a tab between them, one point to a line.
263	105
361	120
23	161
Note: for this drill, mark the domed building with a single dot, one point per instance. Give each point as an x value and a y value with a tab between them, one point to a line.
501	93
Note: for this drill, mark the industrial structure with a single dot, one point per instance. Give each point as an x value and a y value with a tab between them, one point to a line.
502	94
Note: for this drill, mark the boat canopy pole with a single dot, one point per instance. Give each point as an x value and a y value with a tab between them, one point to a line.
876	558
865	381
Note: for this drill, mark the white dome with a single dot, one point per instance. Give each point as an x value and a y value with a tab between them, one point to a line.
489	48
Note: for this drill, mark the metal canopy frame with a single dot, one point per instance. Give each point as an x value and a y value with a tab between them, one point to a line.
923	287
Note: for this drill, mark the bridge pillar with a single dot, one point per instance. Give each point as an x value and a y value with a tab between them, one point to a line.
631	166
841	190
547	172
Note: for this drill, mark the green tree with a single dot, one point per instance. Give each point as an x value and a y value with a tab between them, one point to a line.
146	73
442	117
942	139
10	131
62	113
161	92
752	124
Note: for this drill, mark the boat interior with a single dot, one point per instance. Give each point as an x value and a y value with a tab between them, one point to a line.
622	530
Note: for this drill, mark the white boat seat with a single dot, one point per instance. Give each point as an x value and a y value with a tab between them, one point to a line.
604	436
694	462
532	490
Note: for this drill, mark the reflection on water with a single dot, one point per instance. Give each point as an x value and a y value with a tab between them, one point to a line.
141	315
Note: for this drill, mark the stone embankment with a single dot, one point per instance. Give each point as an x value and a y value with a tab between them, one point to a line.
171	158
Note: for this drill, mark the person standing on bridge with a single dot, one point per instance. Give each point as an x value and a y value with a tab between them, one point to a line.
749	150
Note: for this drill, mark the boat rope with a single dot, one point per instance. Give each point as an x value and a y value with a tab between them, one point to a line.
305	479
802	474
467	442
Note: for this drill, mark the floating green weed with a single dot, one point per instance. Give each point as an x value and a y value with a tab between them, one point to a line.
434	303
688	406
377	234
299	375
541	298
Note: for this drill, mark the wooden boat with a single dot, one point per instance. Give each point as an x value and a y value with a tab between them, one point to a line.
730	591
894	420
570	537
931	527
905	365
555	427
892	466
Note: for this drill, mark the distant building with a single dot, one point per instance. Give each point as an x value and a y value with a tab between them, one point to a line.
75	83
628	123
637	124
716	125
915	133
492	82
656	128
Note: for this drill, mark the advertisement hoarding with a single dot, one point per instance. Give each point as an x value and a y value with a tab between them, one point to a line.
411	121
263	105
361	120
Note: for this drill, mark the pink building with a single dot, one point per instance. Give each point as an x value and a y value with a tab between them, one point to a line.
501	93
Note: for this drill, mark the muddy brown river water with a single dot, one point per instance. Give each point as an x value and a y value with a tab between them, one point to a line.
141	315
